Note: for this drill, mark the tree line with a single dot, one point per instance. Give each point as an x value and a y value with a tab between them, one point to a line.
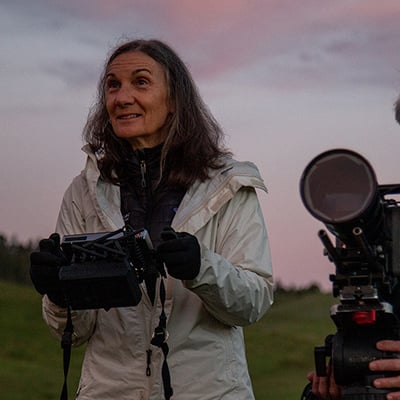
14	266
14	260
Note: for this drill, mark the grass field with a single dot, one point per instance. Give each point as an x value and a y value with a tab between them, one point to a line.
280	346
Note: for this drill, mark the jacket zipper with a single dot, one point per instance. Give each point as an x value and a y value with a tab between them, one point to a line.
146	184
143	171
148	192
150	329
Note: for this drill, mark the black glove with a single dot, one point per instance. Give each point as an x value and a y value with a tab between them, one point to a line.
45	266
180	253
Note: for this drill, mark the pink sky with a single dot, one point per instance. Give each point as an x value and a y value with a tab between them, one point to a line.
286	79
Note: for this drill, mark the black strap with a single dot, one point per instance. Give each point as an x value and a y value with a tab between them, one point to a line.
307	393
66	344
168	392
160	340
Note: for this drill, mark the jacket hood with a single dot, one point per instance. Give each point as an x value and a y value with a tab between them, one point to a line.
201	201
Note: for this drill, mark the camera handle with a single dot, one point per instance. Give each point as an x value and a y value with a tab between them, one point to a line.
320	354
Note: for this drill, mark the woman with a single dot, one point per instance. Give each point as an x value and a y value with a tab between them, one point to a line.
155	159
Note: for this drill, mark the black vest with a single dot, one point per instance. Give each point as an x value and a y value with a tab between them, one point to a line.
147	202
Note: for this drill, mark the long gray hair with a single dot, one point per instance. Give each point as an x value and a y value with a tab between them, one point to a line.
194	143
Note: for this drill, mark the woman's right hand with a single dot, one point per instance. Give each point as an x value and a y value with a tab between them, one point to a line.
324	387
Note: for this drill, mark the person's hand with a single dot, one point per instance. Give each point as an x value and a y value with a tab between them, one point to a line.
391	364
45	266
324	387
180	253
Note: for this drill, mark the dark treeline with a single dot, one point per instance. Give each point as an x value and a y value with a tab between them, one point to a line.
284	289
14	266
14	260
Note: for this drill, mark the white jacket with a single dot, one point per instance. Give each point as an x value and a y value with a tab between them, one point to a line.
205	316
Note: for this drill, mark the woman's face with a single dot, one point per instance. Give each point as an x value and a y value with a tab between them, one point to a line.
137	101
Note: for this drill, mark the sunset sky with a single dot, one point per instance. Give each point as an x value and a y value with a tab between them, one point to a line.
287	79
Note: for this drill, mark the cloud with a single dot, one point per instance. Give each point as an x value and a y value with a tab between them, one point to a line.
313	41
285	79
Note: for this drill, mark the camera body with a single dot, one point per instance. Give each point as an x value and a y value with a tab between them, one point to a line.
106	269
339	188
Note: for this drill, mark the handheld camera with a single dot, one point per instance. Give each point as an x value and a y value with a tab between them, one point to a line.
106	268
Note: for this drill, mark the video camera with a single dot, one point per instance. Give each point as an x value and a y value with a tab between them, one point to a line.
106	268
339	188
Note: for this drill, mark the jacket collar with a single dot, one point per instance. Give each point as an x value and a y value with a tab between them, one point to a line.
203	199
200	203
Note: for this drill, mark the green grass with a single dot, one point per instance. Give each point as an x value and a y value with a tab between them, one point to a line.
30	358
279	347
